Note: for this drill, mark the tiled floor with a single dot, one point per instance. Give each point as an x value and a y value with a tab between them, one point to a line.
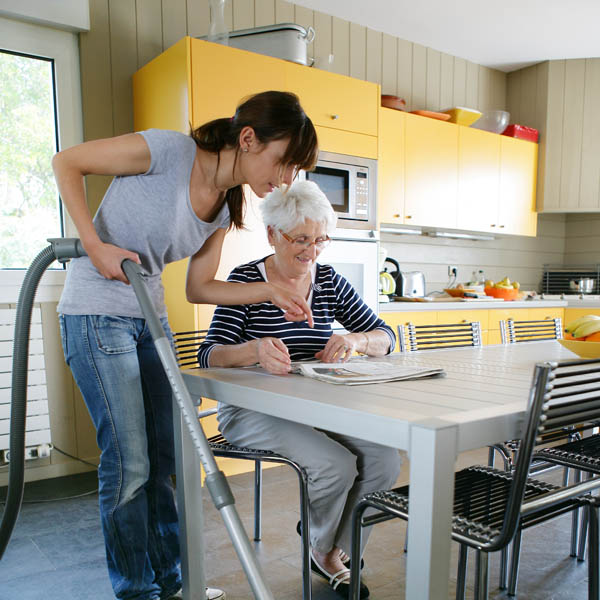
57	553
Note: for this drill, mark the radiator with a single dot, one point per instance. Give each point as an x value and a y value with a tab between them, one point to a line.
37	435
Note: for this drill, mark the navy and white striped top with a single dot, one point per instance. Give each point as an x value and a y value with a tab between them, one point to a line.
333	298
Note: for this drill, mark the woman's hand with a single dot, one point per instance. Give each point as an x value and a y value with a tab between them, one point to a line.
273	356
339	348
292	304
108	258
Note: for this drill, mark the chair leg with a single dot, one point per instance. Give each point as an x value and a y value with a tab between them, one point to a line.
514	563
491	457
593	562
257	500
503	568
355	545
461	574
575	518
583	530
481	575
304	531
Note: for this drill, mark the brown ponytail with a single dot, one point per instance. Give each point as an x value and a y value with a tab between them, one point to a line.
273	115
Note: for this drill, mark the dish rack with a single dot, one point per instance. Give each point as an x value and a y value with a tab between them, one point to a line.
555	279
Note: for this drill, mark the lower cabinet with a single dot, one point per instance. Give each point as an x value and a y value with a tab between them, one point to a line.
489	319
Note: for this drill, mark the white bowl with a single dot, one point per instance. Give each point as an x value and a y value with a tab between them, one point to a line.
495	121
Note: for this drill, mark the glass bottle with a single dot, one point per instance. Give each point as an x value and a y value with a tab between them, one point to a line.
218	31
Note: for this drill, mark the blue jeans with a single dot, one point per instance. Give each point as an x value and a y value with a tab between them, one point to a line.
122	381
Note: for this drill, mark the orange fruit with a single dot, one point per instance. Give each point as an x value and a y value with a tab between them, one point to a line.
594	337
569	336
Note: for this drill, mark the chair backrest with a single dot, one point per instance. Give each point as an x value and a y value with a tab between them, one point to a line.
432	337
530	331
562	395
187	344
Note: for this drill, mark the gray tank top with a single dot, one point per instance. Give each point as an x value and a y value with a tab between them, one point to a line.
150	214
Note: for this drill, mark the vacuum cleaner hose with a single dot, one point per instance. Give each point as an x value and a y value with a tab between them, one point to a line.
61	249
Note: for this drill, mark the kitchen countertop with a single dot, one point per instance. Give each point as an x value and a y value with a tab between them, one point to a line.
483	305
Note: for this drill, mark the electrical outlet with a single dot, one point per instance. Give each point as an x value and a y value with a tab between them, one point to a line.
452	271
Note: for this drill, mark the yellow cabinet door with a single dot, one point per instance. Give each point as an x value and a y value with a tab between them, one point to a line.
478	179
574	313
333	100
545	314
221	77
518	173
390	167
396	319
431	172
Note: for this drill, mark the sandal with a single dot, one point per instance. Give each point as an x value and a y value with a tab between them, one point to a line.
340	581
343	556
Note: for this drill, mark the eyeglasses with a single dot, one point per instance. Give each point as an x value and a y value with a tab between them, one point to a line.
303	242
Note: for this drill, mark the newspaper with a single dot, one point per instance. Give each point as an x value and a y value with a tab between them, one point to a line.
362	372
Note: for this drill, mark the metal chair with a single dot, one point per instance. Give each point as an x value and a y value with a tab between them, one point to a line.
492	506
431	337
513	332
187	344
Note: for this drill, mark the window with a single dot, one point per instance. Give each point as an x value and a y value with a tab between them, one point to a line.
40	113
29	206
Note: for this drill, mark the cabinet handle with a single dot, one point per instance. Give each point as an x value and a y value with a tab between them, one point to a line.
396	216
493	225
501	226
335	117
409	216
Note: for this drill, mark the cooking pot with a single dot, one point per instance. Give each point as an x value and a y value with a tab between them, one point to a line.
582	286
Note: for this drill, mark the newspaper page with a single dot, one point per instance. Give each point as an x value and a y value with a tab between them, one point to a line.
362	372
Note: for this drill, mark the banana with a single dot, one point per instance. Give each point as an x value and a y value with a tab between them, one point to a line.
587	328
570	327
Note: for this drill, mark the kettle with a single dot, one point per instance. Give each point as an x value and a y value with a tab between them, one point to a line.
387	284
408	283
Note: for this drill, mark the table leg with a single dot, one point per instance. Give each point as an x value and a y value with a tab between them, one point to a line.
432	458
189	505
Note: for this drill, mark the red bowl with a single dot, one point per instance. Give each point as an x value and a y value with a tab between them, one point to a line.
505	294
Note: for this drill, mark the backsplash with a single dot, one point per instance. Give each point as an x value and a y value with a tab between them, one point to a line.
582	244
518	257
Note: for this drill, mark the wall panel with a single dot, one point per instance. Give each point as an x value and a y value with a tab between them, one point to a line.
174	16
340	46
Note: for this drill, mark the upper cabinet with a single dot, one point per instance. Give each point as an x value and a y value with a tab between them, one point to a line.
431	175
436	174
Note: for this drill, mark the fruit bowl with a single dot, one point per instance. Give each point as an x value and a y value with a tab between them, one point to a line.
582	349
504	293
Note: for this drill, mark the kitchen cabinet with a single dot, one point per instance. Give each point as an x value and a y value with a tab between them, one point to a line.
431	172
518	171
574	313
478	180
488	319
437	174
390	168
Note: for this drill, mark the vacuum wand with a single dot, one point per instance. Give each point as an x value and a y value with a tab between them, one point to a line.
63	249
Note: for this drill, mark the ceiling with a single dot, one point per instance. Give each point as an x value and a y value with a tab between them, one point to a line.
505	35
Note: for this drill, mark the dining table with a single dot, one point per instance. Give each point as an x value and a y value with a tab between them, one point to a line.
481	399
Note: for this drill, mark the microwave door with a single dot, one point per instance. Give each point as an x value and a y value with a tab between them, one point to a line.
335	184
357	262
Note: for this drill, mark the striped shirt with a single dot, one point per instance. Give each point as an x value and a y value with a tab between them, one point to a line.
333	298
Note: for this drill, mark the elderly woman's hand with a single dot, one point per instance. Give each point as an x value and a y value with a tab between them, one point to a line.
292	304
273	355
339	348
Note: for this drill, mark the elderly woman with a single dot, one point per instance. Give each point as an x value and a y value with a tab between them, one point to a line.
340	468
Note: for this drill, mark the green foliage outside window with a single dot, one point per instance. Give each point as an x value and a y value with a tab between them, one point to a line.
29	205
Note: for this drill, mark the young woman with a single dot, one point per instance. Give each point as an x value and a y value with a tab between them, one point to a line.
173	196
340	468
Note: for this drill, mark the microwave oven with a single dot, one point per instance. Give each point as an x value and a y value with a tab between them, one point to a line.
350	184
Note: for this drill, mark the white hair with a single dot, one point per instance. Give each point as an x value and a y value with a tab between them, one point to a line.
288	208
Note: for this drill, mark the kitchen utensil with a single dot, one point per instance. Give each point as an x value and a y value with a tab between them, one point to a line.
282	40
460	292
582	349
521	132
504	293
585	285
431	114
462	116
495	121
393	102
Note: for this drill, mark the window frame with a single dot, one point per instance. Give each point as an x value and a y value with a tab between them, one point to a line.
63	48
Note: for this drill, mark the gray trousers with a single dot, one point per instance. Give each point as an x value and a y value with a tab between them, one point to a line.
340	468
